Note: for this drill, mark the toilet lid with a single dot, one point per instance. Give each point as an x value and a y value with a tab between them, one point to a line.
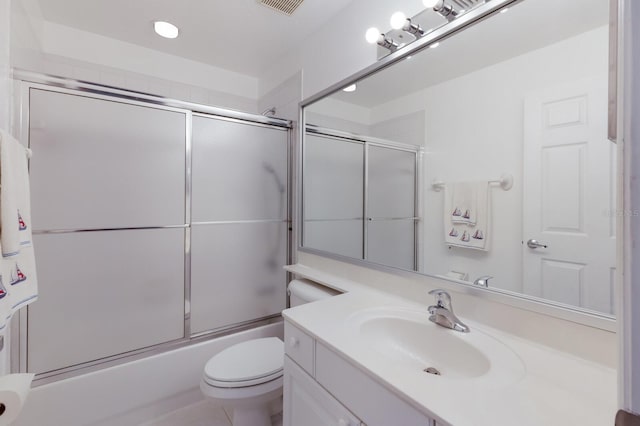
246	364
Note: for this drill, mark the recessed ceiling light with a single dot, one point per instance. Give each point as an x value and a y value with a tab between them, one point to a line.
166	29
351	88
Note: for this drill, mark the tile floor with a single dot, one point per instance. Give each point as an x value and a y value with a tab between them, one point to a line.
200	414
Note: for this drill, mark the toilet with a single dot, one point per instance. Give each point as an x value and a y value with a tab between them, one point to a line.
246	378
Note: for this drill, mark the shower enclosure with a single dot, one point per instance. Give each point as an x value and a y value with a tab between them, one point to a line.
157	223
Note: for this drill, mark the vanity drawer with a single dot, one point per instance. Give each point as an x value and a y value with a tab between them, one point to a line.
300	347
365	397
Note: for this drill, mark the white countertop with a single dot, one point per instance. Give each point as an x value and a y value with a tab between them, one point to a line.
555	388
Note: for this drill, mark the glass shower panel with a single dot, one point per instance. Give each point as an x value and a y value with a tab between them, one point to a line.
392	243
333	194
239	171
236	273
105	293
392	183
391	207
342	237
104	164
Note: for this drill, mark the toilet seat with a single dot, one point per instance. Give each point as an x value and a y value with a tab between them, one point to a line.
238	366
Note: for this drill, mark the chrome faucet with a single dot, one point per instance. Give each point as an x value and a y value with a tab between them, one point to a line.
442	312
483	281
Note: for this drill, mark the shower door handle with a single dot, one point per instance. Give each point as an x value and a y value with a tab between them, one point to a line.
534	244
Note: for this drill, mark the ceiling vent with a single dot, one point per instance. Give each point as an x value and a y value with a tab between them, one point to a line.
468	4
285	6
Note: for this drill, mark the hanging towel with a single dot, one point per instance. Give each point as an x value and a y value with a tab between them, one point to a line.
466	215
15	205
464	202
18	281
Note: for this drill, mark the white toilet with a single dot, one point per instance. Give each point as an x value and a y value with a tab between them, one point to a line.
247	377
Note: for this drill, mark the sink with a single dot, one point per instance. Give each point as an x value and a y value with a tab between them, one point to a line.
406	338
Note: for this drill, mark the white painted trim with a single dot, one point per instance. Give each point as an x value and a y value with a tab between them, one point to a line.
629	300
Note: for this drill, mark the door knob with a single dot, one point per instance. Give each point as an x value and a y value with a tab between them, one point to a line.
534	244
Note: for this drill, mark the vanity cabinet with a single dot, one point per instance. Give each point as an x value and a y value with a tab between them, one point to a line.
323	388
306	403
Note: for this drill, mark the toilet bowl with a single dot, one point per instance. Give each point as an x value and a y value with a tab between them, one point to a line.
246	378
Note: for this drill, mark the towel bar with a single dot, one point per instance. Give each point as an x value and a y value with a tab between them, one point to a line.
505	182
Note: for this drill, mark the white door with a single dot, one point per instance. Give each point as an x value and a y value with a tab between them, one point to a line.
569	196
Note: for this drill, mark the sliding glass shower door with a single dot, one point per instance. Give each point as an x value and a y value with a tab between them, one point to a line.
152	225
239	222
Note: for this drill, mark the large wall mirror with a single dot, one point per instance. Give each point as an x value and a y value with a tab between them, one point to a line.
484	160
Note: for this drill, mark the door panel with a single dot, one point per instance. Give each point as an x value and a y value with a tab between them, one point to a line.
104	164
105	293
236	273
569	196
239	171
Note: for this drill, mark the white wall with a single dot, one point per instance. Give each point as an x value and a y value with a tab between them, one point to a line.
41	46
339	48
5	48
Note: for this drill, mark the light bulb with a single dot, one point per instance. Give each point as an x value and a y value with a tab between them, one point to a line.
398	20
430	3
350	89
372	35
166	29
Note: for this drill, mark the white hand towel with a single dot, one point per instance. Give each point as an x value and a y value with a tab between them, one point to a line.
464	202
21	280
15	204
467	214
18	281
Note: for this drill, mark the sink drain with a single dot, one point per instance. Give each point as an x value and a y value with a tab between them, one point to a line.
433	371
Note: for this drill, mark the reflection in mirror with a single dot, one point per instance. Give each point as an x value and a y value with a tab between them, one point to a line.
521	94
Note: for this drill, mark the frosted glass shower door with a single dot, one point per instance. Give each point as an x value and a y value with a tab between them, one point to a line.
108	207
391	207
239	223
333	195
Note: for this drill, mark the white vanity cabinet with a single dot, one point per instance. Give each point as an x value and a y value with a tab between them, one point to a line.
306	403
322	388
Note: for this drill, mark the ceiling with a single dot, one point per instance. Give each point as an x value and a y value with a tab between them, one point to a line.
237	35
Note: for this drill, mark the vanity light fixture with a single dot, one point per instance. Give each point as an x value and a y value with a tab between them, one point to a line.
166	29
399	21
350	89
446	10
374	36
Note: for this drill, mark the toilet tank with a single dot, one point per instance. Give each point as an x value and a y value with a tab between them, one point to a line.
304	291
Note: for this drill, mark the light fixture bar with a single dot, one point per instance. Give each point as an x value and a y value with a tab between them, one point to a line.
374	36
447	10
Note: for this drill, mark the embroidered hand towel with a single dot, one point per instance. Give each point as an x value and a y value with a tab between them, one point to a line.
18	281
15	205
466	215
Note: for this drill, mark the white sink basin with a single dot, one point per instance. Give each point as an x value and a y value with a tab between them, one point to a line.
407	338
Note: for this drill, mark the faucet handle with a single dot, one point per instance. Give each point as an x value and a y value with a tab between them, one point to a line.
443	299
483	280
